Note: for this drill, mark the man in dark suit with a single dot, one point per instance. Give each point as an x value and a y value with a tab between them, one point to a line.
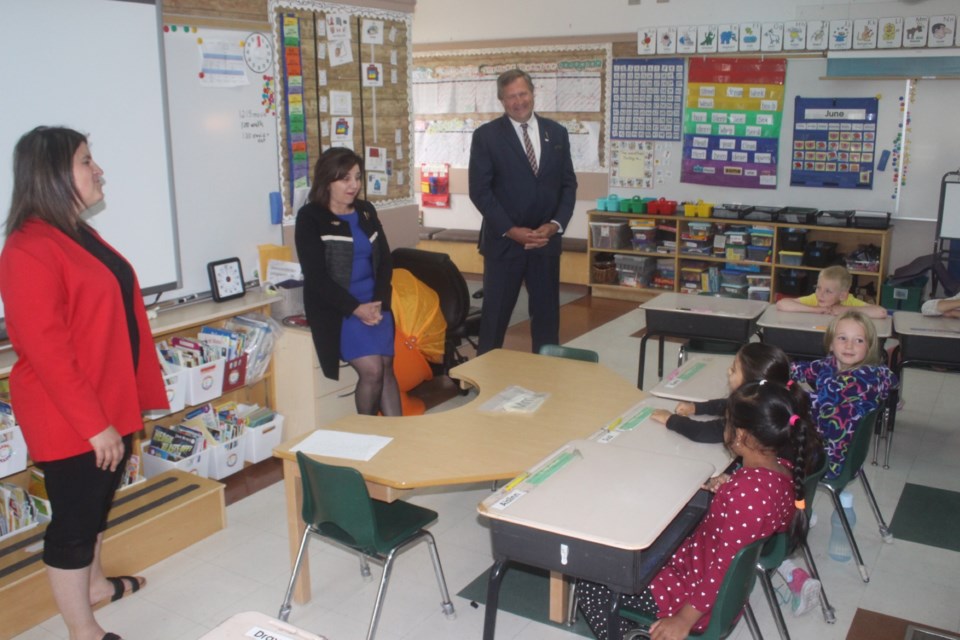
523	183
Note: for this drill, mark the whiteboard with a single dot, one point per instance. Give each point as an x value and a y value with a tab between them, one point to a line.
224	160
95	66
949	221
934	147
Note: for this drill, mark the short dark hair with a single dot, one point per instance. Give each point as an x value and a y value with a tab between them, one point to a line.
763	361
43	185
333	165
508	77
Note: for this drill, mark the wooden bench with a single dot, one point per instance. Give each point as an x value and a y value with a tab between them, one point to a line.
461	246
149	522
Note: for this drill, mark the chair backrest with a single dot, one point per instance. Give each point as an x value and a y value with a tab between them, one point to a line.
571	353
336	502
437	271
858	450
735	589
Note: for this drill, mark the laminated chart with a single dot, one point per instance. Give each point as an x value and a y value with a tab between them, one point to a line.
293	95
731	125
834	142
647	99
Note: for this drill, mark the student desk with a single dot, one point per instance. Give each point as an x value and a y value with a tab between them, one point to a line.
800	335
466	445
683	315
596	512
924	341
701	378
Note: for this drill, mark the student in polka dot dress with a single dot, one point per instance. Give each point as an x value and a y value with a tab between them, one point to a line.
762	497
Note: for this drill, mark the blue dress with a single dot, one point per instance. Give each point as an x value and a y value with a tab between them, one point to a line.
356	338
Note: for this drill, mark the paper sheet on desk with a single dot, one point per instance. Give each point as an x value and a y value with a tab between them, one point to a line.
515	399
341	444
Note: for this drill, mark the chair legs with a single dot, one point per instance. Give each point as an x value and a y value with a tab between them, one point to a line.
446	603
285	606
881	523
765	581
829	613
752	622
835	496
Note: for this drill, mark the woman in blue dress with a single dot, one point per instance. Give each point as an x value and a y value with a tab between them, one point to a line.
347	269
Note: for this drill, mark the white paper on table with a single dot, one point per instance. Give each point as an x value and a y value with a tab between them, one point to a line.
281	270
342	444
515	399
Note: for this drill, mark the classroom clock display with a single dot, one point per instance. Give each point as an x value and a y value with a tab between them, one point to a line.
258	52
226	279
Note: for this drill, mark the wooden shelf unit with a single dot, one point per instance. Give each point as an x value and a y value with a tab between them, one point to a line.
150	521
847	238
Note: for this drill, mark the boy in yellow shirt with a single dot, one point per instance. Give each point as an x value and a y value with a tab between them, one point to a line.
832	297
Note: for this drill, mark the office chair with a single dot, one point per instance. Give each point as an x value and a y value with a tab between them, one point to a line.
733	597
571	353
853	468
437	271
337	506
778	549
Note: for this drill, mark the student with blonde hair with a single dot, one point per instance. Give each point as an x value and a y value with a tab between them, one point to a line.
832	296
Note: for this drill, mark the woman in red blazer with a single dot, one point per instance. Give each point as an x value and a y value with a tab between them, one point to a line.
86	365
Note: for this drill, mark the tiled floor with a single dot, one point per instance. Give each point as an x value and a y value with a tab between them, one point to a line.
245	567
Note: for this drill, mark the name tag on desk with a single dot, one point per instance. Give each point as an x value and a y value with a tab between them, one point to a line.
508	499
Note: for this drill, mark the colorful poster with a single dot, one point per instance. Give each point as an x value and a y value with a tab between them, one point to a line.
834	142
647	99
731	126
296	124
631	164
435	184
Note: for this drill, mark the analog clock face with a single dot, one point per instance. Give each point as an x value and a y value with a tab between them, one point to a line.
226	279
258	52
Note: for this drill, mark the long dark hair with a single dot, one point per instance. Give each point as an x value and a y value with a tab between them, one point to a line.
43	185
778	417
761	361
333	165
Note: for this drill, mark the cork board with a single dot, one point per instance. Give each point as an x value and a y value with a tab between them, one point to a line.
365	58
454	92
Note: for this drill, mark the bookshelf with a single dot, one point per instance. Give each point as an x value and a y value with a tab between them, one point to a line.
611	235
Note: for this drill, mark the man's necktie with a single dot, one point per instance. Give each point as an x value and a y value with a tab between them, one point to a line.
531	156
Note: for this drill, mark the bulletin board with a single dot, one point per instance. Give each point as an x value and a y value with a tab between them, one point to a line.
344	81
912	125
455	92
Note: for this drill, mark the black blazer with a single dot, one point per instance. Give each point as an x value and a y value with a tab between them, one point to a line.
326	260
506	191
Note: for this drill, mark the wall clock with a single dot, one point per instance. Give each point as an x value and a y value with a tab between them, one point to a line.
226	279
258	52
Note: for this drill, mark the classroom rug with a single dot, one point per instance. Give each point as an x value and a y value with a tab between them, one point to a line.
870	625
525	591
929	516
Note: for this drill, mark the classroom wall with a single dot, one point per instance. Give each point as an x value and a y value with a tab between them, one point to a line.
497	23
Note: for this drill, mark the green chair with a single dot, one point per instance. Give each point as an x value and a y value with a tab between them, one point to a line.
733	597
853	468
337	506
571	353
777	550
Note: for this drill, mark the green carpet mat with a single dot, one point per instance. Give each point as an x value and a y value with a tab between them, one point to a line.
928	516
525	591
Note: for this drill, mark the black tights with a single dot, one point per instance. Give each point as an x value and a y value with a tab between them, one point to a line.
377	389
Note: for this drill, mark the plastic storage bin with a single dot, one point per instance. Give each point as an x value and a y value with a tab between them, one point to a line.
197	464
798	215
793	239
793	283
791	258
871	219
263	439
662	206
226	458
763	214
834	218
634	271
731	211
13	451
610	235
758	293
758	254
819	254
903	296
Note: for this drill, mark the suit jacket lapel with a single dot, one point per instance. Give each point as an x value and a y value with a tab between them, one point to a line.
546	150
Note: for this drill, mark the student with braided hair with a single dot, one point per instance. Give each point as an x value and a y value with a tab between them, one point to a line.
764	496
